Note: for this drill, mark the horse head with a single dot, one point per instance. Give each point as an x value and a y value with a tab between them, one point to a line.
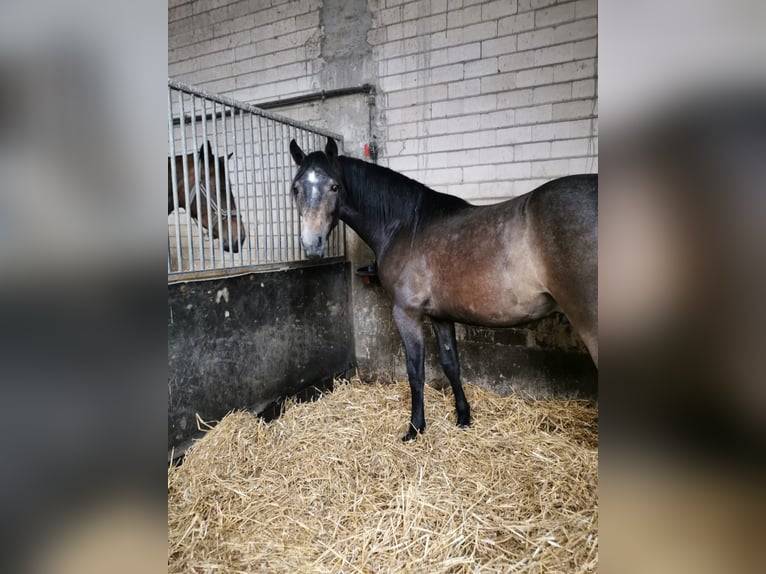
226	223
316	188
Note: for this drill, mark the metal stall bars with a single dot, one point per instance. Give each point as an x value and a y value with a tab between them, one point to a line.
229	203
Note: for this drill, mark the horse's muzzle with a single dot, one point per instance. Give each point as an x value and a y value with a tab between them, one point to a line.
232	247
313	245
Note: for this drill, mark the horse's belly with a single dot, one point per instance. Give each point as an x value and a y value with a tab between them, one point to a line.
493	310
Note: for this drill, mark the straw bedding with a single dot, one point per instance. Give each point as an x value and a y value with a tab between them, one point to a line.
330	487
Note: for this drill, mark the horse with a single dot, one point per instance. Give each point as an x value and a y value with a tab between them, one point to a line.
440	257
208	203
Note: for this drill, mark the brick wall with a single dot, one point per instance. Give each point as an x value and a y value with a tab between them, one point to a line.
488	99
482	99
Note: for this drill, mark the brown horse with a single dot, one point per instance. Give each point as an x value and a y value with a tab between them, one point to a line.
443	258
209	202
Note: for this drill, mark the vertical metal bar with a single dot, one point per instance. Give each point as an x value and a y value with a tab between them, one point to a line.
263	191
173	177
227	187
237	187
217	186
279	160
206	161
253	177
289	220
197	197
246	220
277	191
271	194
182	132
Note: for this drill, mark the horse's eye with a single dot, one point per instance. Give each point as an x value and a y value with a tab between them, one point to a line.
334	187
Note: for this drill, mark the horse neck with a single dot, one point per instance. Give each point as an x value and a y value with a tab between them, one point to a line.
376	206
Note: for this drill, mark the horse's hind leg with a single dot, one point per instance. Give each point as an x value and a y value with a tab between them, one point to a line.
445	337
411	330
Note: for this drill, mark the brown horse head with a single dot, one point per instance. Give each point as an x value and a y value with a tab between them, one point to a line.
316	189
214	207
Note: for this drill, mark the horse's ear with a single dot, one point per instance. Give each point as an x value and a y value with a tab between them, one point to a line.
203	147
229	156
296	152
331	150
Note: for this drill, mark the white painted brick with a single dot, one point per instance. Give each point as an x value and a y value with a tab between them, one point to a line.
518	61
485	138
585	49
555	15
574	70
515	170
550	169
535	77
534	115
454	4
391	83
478	32
498	83
402	99
464	53
562	130
452	159
573	110
497	46
552	93
376	36
479	173
517	23
496	155
465	191
571	148
472	2
515	98
480	68
514	135
554	54
391	49
583	88
432	24
535	39
532	4
532	151
583	165
436	58
465	88
444	143
410	11
452	124
403	163
499	119
440	177
434	177
585	8
498	9
445	74
445	109
578	30
486	103
460	18
390	16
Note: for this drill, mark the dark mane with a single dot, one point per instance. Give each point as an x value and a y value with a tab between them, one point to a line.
390	196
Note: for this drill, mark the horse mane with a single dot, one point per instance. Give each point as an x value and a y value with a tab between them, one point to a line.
388	196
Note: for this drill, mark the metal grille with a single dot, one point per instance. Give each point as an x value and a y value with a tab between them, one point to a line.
237	212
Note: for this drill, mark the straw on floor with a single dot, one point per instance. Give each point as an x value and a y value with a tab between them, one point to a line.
330	487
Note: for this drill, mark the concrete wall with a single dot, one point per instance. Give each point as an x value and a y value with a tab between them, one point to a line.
481	99
244	342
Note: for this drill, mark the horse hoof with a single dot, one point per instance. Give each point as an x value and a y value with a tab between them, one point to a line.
464	424
412	434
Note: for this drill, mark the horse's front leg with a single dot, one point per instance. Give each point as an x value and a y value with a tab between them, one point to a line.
410	327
